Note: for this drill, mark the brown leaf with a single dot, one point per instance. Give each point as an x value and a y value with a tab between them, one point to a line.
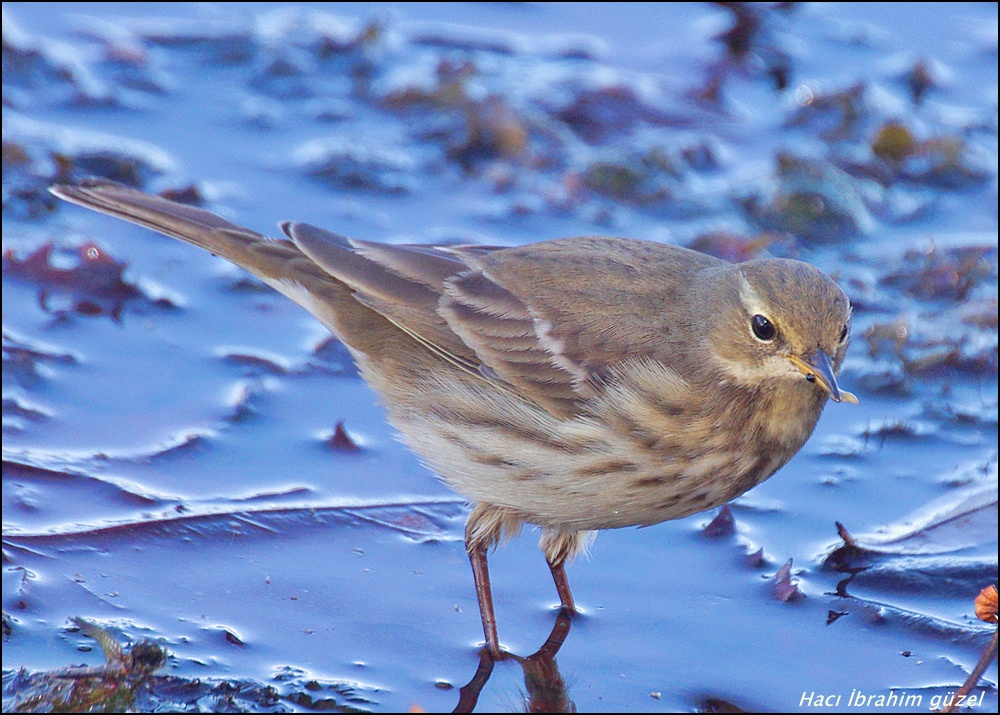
96	280
341	441
784	588
986	604
722	525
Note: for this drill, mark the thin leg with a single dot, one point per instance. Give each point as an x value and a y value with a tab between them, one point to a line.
562	586
481	574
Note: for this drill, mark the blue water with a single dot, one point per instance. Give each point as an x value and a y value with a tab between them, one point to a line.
189	492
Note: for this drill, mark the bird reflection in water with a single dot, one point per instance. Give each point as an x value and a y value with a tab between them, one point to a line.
545	691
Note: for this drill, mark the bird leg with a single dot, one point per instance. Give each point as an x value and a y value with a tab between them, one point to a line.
562	585
484	592
486	526
559	547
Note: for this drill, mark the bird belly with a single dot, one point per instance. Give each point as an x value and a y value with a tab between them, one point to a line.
577	474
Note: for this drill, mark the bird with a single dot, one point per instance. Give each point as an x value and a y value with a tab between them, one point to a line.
573	384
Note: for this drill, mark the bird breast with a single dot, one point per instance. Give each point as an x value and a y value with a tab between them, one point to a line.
647	449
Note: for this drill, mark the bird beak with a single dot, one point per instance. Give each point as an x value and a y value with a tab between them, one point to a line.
818	368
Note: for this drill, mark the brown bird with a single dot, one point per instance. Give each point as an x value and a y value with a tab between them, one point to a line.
576	384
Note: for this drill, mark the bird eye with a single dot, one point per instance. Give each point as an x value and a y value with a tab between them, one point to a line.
845	332
763	328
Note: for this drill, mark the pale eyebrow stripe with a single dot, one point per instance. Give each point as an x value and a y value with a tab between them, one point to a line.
751	299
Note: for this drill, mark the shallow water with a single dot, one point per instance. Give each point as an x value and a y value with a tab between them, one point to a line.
167	472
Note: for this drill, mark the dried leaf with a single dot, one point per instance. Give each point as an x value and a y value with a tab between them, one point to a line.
986	604
722	525
784	588
95	282
341	441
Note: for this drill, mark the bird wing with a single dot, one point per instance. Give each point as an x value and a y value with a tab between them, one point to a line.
550	320
483	329
565	313
401	283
